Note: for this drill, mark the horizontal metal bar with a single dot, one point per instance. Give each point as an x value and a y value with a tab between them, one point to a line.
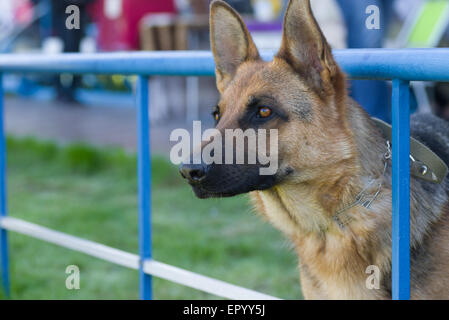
91	248
199	282
127	63
406	64
130	260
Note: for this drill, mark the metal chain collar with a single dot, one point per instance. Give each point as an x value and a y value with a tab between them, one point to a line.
364	198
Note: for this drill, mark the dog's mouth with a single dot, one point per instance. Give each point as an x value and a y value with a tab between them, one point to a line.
222	181
204	191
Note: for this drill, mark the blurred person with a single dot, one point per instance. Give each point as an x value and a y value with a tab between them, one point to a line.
372	95
71	38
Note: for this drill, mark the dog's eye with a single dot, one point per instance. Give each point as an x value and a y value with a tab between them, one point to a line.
264	112
216	115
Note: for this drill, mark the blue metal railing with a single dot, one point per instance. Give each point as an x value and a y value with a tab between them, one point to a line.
401	190
401	66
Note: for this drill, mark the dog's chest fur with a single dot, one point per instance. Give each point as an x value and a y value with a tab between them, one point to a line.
333	261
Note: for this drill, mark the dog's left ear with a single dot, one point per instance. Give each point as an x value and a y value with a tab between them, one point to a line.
231	42
305	48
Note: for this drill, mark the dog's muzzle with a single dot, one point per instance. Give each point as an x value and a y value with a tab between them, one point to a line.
224	180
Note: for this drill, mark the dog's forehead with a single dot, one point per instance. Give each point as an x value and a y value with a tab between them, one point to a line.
274	79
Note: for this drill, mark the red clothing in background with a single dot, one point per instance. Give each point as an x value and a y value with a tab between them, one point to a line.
122	32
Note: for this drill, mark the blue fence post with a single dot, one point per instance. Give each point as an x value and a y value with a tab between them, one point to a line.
4	255
401	191
144	184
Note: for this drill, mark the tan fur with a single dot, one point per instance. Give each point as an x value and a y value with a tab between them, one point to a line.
333	150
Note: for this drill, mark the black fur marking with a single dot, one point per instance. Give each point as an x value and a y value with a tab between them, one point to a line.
433	132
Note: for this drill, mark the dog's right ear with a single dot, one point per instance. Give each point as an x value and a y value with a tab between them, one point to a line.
305	48
231	42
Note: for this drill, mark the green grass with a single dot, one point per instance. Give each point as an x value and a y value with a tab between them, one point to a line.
91	193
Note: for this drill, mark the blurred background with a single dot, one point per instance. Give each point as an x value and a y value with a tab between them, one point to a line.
72	139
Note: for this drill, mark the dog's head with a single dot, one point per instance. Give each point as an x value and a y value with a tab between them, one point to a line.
300	94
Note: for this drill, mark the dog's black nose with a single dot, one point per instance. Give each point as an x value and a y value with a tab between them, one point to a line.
194	173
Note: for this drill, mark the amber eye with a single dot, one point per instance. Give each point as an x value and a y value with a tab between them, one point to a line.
216	115
264	112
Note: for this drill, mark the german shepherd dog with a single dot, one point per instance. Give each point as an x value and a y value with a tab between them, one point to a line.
329	150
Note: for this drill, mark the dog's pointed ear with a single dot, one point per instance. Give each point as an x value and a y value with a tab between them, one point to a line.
231	42
305	48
